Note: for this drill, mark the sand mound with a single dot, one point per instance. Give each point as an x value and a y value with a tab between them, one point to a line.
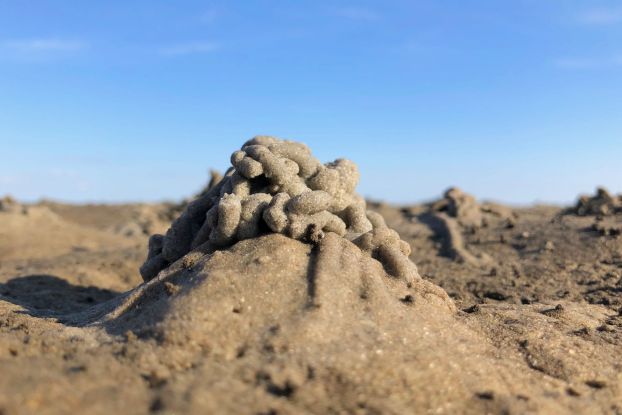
468	213
461	206
298	273
278	186
274	325
37	232
130	220
457	214
602	203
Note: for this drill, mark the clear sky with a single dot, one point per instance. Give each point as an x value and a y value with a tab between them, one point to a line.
513	100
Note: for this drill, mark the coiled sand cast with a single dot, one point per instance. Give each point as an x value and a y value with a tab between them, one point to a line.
278	186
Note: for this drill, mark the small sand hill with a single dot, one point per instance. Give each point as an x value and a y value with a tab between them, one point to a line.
37	232
41	251
129	220
274	325
277	318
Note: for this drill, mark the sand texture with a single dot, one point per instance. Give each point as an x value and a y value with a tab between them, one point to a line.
511	311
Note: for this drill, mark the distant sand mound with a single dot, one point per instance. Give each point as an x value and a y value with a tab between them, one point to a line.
38	232
465	209
10	205
602	203
458	213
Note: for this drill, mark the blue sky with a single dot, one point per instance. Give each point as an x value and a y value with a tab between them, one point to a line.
514	100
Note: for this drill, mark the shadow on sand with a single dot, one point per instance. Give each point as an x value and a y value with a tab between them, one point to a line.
50	296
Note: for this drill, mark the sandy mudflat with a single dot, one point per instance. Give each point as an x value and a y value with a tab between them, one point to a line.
277	326
280	290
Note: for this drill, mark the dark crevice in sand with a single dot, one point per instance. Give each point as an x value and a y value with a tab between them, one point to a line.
312	278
